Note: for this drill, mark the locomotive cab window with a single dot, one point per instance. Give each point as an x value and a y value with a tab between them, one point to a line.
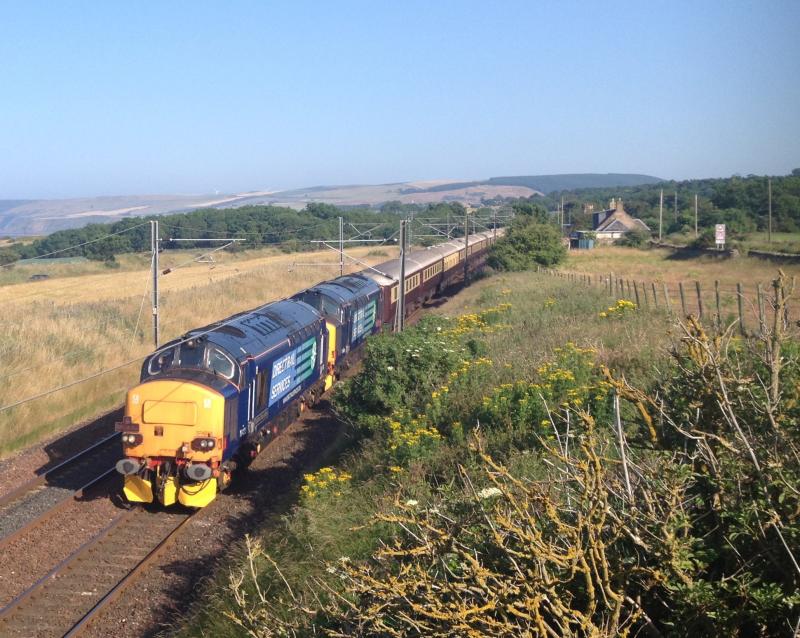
161	361
219	363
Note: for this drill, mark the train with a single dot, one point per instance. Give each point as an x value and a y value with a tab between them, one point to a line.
208	402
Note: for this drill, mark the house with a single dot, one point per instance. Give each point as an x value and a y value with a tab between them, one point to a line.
611	224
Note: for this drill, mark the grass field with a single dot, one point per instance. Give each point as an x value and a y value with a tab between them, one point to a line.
663	267
62	329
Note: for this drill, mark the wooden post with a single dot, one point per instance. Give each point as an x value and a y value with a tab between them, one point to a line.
667	302
655	298
719	312
760	298
644	293
683	299
741	308
610	283
636	292
699	299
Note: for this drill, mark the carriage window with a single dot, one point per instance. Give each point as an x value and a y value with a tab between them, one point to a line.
219	363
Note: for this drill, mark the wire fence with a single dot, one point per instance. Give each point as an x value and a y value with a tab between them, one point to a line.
718	304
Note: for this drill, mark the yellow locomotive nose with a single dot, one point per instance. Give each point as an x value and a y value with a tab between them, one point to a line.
168	420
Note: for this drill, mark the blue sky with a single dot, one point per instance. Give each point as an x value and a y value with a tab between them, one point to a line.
106	97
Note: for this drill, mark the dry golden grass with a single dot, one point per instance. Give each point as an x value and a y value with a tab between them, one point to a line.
63	329
664	268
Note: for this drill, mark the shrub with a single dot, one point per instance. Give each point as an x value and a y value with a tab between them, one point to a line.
526	244
636	238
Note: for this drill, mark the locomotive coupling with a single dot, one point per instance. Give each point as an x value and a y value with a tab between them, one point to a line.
198	471
127	467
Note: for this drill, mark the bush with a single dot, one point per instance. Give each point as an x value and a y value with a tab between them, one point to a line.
527	243
637	238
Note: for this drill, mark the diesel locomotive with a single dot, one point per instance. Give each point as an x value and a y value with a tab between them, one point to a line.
208	402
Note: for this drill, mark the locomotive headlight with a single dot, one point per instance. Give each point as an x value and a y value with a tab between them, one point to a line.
203	444
131	439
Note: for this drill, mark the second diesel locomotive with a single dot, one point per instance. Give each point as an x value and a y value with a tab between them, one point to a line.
207	403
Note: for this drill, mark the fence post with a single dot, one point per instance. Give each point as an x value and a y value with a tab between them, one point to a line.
760	301
683	299
610	283
699	299
667	302
719	312
741	308
655	298
644	294
636	292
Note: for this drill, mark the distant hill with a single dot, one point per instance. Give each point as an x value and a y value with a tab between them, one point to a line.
574	181
39	217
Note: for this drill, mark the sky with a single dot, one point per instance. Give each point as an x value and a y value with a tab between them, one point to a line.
119	98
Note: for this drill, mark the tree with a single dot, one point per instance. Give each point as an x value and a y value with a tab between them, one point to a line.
527	242
527	208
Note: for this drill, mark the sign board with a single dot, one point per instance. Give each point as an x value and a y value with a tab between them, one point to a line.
363	321
719	235
289	372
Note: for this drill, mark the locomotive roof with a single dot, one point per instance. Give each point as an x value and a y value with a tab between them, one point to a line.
256	331
344	288
422	258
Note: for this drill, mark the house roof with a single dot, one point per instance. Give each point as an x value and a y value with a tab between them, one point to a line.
620	221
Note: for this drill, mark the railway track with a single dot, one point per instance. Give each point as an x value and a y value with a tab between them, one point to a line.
43	496
67	599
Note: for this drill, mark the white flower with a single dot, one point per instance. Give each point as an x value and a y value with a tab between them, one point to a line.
411	502
330	570
390	368
488	492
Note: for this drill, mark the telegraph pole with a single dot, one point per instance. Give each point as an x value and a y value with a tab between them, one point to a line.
400	310
494	222
769	196
466	246
695	214
154	241
341	247
660	214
